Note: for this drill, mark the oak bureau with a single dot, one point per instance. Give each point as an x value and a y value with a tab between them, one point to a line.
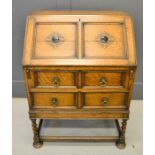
79	65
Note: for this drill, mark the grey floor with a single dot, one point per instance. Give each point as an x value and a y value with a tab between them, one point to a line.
22	135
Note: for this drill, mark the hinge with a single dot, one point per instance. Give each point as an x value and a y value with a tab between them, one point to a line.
131	74
28	73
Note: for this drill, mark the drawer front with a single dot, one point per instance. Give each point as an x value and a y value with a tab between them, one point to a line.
105	79
54	100
55	79
104	41
104	100
55	40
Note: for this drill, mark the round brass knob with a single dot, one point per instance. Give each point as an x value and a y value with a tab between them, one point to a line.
104	101
54	101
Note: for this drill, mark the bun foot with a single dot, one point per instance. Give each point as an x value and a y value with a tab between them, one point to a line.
37	145
120	145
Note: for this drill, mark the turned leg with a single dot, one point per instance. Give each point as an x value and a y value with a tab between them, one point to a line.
37	143
121	142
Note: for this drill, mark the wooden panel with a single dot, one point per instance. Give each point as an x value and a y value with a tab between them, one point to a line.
79	44
45	48
45	78
44	100
114	48
95	99
112	78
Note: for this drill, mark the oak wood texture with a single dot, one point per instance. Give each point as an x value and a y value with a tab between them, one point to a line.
115	49
79	65
112	78
44	49
44	100
46	78
96	99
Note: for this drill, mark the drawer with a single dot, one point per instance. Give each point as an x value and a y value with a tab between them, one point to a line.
104	41
54	100
55	40
55	79
105	79
105	100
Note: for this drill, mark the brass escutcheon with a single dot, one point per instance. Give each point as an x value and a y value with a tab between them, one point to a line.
103	81
56	81
54	101
104	101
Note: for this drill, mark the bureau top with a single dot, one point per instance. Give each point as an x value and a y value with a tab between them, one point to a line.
79	38
78	12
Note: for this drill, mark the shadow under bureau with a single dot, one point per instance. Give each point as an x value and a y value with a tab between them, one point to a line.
79	65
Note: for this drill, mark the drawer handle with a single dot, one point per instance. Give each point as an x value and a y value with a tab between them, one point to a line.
104	101
103	81
56	81
55	39
54	101
104	39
